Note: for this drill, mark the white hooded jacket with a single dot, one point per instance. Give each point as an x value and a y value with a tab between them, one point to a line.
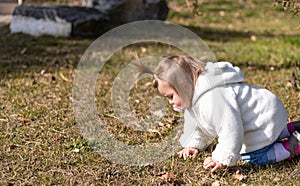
243	117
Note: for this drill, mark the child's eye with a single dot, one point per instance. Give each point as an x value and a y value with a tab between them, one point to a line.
170	96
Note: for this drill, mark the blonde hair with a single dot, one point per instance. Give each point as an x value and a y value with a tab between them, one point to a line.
181	72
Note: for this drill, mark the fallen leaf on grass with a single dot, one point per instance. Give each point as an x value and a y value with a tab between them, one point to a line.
216	183
11	147
148	84
43	72
276	179
24	120
57	138
167	176
239	176
144	49
76	150
289	84
253	38
222	13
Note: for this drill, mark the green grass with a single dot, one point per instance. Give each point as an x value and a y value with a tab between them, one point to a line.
40	140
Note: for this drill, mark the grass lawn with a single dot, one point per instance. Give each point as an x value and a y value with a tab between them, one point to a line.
42	145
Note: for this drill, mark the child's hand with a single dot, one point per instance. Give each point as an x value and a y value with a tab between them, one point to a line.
186	152
211	162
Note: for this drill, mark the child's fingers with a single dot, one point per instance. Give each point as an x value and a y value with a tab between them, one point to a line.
207	160
206	165
195	152
188	153
211	164
180	154
218	166
215	168
185	154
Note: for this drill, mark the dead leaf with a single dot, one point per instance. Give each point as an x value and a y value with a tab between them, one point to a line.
57	138
222	13
13	115
42	72
239	176
253	38
76	150
276	179
148	84
289	84
174	6
24	120
216	183
167	176
144	49
11	147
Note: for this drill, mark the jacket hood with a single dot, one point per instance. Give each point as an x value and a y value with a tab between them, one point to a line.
216	74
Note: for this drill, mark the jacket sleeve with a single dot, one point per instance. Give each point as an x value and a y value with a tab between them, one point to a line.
226	118
193	137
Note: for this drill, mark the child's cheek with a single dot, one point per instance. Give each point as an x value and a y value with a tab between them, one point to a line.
178	101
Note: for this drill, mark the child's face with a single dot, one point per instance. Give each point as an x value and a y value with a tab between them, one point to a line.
165	89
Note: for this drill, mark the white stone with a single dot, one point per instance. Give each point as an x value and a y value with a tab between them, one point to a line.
37	27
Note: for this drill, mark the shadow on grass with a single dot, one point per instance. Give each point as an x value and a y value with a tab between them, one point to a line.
23	53
290	165
227	35
220	35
